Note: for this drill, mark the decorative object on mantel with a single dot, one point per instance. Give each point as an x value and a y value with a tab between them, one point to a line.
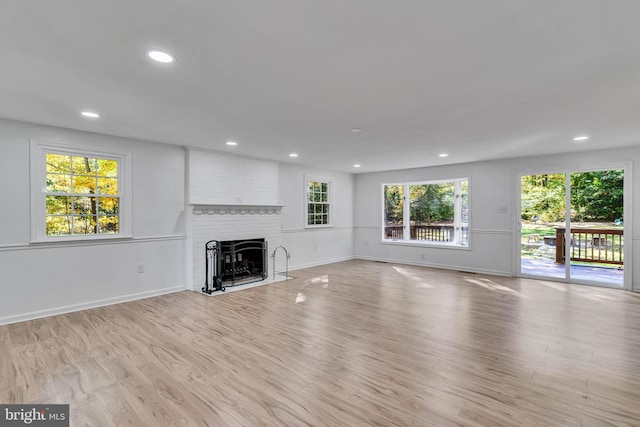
233	263
284	273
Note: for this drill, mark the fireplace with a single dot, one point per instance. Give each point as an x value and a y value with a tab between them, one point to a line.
233	263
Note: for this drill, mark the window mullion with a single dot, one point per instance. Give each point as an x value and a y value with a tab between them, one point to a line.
406	212
457	209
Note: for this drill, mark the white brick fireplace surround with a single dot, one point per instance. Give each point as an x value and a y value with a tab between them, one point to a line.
232	222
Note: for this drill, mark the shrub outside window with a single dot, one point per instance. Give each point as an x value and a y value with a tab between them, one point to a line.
430	212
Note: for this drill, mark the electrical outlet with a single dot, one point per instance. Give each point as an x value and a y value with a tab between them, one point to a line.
140	268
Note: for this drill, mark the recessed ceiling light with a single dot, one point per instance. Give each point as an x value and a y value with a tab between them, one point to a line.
232	143
293	155
160	56
356	165
581	138
356	130
90	114
443	155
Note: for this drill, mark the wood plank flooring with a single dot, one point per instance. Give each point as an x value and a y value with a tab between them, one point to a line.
356	343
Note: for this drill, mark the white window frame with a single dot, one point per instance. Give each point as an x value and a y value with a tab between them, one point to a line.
38	172
329	183
406	215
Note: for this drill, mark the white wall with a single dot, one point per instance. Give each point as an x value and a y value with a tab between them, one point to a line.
216	178
492	186
315	246
44	279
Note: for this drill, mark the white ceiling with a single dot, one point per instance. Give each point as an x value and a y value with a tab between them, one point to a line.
476	79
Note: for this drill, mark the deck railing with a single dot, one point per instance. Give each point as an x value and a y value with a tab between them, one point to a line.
394	232
591	245
433	233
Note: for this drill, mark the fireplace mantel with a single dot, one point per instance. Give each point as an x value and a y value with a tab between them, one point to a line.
210	209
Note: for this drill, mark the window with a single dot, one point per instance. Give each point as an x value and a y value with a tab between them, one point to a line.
431	212
78	194
318	199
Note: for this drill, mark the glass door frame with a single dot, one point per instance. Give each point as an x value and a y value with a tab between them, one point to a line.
567	171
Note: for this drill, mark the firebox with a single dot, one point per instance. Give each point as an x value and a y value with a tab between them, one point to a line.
234	262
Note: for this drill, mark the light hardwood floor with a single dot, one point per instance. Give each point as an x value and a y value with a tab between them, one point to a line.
349	344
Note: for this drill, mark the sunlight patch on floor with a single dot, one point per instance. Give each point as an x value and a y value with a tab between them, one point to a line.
493	286
314	281
414	278
324	280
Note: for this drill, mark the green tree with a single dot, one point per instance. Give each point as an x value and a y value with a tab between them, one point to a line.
543	197
595	196
598	196
432	203
393	204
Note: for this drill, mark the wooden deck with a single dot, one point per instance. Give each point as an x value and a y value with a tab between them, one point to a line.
598	245
607	276
356	343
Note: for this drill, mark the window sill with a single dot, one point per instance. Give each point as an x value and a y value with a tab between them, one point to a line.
83	239
311	227
425	244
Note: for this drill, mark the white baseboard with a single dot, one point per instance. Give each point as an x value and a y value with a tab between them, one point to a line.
443	266
87	305
323	262
267	281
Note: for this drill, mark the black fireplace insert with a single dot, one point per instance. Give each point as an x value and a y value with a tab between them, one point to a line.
234	262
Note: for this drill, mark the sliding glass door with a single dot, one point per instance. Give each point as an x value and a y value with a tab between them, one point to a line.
542	212
572	226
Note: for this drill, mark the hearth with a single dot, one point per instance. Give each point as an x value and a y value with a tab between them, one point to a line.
234	262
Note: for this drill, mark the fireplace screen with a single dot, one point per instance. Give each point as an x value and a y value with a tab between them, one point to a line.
234	262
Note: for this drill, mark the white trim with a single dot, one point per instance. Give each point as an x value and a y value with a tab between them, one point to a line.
323	262
627	206
77	243
366	227
205	209
471	230
406	214
425	244
461	269
305	230
489	231
37	172
329	182
87	305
